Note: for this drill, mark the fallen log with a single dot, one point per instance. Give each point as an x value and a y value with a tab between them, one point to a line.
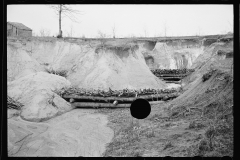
121	99
172	75
105	105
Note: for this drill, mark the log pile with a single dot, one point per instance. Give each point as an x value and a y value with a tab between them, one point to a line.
176	72
12	104
116	93
154	97
115	98
105	105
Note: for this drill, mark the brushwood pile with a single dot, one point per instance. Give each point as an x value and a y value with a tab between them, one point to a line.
115	93
158	72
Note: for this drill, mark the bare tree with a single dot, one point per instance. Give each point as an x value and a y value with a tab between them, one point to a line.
114	31
145	32
165	28
230	26
199	32
70	33
44	32
65	11
101	34
34	34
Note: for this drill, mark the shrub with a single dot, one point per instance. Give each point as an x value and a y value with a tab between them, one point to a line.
207	76
13	104
62	73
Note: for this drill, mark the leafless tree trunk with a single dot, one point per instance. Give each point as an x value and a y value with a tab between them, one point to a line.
63	10
60	13
145	32
114	31
44	32
165	30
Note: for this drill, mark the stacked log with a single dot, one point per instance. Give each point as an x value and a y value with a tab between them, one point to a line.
115	93
154	97
105	105
159	72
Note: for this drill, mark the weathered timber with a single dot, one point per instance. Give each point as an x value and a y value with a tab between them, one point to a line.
176	82
105	105
121	99
172	75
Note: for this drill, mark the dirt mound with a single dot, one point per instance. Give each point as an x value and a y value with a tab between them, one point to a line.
35	92
117	65
208	101
117	68
19	62
209	60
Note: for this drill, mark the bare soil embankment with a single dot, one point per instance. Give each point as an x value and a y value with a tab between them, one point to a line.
197	123
91	64
171	129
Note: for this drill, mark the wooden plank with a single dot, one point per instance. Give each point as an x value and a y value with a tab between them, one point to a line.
121	99
172	75
99	105
106	105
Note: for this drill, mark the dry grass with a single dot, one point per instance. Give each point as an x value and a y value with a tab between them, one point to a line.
178	131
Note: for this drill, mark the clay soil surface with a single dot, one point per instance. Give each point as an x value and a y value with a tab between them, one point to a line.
73	134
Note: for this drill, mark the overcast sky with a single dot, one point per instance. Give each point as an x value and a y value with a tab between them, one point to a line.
129	20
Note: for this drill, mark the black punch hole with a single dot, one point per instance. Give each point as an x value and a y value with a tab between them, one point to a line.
140	108
197	158
167	158
226	158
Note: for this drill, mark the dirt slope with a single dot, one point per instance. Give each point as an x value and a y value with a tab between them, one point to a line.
117	65
19	62
36	92
173	54
197	123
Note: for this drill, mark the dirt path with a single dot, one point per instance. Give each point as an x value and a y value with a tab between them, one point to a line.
76	133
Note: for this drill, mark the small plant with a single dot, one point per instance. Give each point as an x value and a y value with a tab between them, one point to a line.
207	76
62	73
